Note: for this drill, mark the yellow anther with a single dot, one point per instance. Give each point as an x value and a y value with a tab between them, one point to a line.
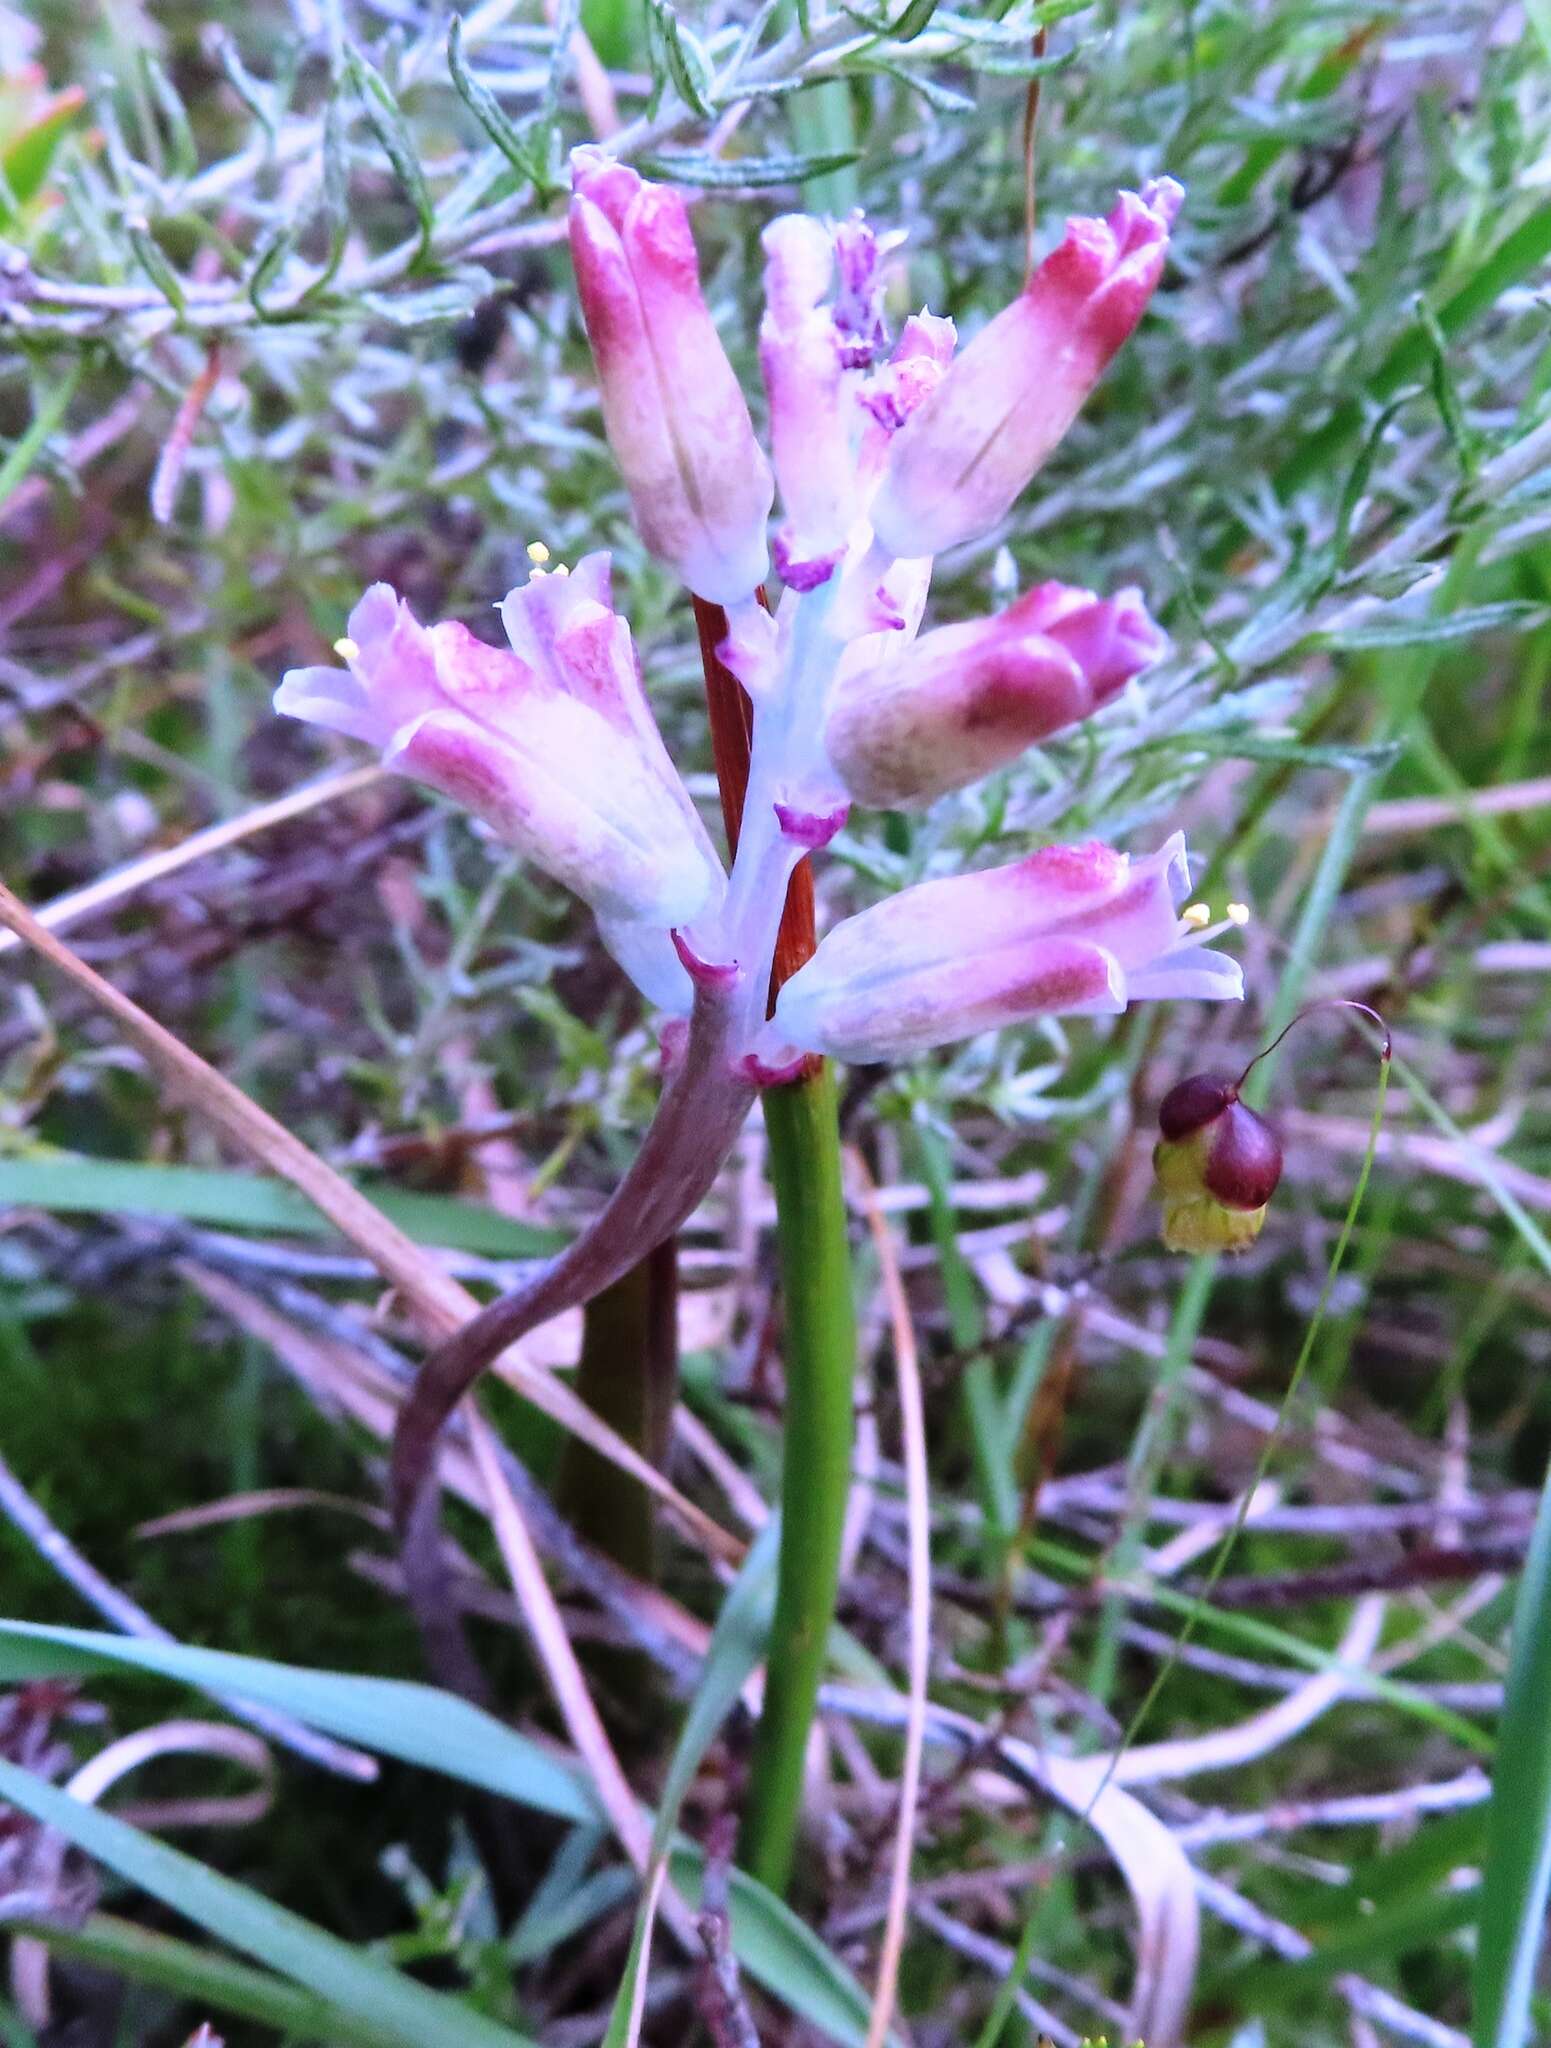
346	648
538	554
1238	913
1196	914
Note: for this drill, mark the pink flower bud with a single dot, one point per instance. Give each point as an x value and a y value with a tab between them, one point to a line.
958	463
914	370
699	484
967	699
1071	930
904	383
811	411
553	746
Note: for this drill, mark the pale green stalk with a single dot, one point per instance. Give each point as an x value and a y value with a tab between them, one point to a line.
802	1125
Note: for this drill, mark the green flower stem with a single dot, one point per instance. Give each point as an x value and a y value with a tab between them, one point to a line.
802	1124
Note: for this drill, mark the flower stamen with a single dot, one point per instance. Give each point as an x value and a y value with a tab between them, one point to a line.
1200	927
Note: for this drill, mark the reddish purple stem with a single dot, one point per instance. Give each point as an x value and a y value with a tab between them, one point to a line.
1386	1049
704	1102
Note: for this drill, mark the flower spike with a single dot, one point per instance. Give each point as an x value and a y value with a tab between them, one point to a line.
884	457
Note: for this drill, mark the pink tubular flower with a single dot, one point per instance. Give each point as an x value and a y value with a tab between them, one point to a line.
958	463
699	484
552	744
811	410
967	699
1070	931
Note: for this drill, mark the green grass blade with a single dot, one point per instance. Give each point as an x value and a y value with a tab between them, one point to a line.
396	2006
1517	256
215	1983
25	451
392	1716
776	1948
439	1732
72	1183
736	1646
1511	1931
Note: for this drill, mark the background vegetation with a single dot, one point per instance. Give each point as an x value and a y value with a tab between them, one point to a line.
286	309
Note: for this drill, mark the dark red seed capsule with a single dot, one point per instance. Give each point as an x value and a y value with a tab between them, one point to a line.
1244	1161
1217	1162
1193	1102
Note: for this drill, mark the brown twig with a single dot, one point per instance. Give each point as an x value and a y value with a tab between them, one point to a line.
175	451
1437	1565
719	1995
913	1430
1030	151
79	904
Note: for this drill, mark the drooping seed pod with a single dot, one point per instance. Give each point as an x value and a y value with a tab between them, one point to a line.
1217	1164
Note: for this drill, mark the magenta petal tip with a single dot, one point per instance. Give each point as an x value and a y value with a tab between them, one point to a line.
765	1074
706	974
811	829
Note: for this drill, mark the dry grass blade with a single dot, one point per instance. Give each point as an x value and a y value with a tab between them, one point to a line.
1223	1749
1159	1878
175	450
575	1702
135	875
338	1380
475	1474
918	1529
268	1500
1407	814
